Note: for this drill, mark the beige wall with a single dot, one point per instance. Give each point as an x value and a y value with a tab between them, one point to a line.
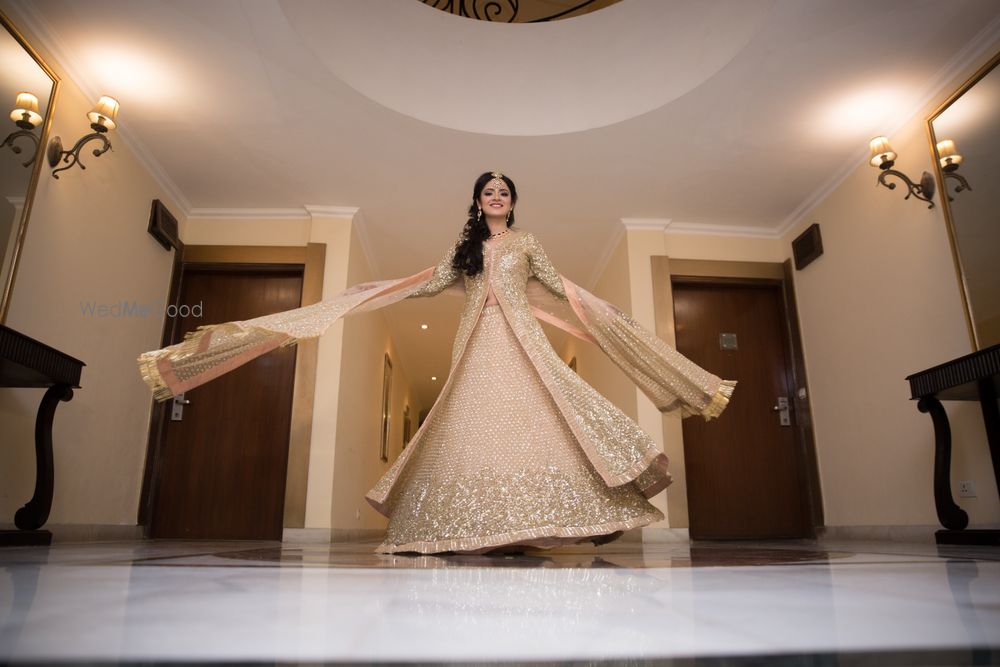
358	466
255	231
881	303
87	243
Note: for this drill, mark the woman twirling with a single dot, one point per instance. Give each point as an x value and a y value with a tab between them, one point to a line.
517	450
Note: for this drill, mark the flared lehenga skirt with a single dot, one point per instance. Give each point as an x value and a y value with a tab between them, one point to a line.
498	466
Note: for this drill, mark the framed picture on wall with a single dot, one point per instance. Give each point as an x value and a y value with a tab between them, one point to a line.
383	450
807	247
163	226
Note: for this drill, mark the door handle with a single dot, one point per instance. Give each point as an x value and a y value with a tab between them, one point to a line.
783	410
177	408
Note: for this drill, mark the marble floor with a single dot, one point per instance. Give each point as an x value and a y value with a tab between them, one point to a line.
636	603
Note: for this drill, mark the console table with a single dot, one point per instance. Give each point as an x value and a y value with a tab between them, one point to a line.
24	362
974	377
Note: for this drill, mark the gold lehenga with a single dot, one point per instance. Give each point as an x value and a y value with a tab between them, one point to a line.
497	464
557	463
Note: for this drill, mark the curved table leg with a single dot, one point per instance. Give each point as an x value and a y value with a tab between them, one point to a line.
36	512
949	514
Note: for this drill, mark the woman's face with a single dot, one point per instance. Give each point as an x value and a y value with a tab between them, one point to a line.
495	200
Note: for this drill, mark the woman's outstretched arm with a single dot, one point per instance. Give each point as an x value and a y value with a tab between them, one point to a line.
444	275
543	269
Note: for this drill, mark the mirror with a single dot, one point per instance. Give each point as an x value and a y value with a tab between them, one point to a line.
22	152
967	184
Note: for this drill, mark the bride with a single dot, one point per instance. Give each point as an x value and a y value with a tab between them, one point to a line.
517	451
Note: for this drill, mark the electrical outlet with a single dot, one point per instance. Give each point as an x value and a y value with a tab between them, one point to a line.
966	489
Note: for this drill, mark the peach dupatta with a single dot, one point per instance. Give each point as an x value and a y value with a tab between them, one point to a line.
670	380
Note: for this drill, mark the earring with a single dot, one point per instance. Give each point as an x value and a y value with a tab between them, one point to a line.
508	216
479	216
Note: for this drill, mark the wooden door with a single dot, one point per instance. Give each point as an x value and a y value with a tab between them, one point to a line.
221	471
745	471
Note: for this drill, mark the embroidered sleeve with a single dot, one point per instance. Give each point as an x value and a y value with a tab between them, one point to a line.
444	275
543	269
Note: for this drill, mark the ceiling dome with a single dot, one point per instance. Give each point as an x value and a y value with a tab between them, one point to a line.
519	11
525	79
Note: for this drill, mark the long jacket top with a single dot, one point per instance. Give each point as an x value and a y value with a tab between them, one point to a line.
528	288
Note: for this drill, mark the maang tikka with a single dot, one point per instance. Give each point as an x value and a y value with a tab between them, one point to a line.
497	181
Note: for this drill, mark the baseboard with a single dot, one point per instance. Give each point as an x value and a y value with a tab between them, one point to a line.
331	535
919	534
912	534
306	535
89	532
657	535
357	534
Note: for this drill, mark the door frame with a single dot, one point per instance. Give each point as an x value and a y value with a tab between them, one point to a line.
312	259
707	272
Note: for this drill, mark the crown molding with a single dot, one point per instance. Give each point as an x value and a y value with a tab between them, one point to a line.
670	226
323	210
659	224
42	30
248	214
705	229
975	52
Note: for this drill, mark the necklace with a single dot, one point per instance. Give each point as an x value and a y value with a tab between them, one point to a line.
498	234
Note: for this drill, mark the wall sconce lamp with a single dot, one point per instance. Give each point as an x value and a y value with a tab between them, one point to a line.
102	119
884	157
949	159
25	115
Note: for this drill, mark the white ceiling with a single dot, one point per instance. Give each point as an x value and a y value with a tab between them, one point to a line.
725	115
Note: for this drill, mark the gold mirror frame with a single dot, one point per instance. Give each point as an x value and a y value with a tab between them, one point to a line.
946	204
29	196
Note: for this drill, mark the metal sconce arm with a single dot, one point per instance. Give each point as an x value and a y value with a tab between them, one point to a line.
962	183
14	136
71	157
924	190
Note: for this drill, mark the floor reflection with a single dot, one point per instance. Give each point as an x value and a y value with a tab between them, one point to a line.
661	602
627	555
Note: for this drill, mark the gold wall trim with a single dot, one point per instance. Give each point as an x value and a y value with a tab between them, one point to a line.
43	141
942	188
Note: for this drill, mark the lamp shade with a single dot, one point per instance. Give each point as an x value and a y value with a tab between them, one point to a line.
26	110
105	113
881	152
948	155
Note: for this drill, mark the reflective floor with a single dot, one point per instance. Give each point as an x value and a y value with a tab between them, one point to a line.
673	603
